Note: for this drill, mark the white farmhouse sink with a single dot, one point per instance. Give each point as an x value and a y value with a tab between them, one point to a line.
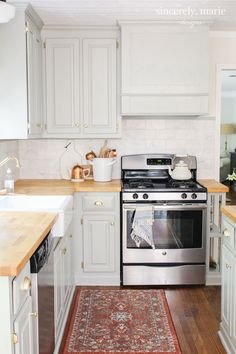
63	205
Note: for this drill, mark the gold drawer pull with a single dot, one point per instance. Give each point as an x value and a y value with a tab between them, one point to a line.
228	266
226	233
26	285
35	314
98	203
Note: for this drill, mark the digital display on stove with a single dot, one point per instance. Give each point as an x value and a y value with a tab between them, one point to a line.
158	162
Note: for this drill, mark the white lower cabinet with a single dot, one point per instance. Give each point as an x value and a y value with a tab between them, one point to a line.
228	300
63	280
16	316
97	230
99	243
23	330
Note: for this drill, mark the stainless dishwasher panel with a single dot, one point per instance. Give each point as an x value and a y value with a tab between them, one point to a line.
43	280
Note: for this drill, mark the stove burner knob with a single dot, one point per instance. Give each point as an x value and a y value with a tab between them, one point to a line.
183	195
145	196
194	196
135	196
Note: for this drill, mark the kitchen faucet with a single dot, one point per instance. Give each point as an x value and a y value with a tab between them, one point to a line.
8	158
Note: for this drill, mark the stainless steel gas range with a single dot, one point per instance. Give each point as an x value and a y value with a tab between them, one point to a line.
163	222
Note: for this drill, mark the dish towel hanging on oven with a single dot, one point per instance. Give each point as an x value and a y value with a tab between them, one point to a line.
142	226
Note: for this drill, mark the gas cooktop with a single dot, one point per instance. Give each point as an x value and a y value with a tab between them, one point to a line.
165	185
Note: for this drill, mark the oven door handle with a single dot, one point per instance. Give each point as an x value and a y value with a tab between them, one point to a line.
166	207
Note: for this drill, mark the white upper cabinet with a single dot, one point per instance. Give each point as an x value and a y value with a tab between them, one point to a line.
34	74
62	86
20	72
99	83
81	87
164	69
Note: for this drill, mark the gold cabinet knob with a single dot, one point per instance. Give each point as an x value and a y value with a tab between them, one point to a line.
14	338
226	233
77	125
112	223
228	266
26	284
98	203
85	125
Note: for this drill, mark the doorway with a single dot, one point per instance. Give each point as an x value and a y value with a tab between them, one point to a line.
227	122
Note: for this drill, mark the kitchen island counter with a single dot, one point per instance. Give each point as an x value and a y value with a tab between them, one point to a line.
20	235
230	212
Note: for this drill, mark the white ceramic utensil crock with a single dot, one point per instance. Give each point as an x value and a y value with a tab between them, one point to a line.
102	168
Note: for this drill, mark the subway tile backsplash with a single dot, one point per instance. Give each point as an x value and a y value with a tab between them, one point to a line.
40	158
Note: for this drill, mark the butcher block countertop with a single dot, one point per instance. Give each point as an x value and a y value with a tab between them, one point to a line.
229	211
213	186
20	235
63	187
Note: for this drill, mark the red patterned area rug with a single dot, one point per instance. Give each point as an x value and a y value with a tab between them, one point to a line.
121	321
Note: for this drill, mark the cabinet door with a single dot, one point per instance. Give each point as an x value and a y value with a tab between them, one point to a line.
67	264
162	58
62	86
34	77
227	288
23	329
99	243
59	281
99	87
62	277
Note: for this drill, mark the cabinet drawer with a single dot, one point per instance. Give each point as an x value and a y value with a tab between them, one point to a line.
97	202
21	288
228	233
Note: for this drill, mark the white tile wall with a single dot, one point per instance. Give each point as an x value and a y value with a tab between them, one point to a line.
40	158
8	148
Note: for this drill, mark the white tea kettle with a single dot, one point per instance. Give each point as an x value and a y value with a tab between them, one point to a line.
181	171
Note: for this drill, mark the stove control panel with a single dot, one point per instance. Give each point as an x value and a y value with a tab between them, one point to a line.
164	196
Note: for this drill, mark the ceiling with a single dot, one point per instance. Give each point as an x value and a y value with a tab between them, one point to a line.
222	13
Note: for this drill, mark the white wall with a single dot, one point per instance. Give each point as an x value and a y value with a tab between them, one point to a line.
8	148
40	158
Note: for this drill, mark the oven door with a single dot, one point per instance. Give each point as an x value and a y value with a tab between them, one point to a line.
179	235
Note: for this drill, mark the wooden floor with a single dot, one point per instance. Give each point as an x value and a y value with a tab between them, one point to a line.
196	315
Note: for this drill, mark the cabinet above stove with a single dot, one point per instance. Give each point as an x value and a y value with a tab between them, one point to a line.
164	68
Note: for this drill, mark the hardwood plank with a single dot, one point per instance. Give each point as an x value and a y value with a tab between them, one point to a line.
196	315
